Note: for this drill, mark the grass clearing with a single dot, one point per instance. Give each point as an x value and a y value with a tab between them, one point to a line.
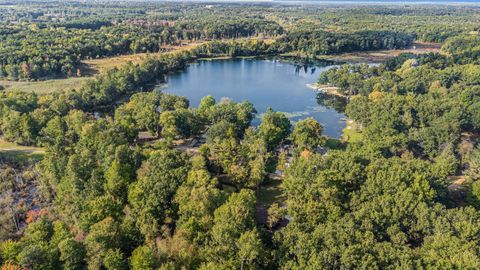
44	87
352	133
270	192
88	69
373	56
96	66
102	64
382	55
20	153
21	157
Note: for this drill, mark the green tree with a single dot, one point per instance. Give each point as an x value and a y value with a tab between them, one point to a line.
197	199
251	250
37	256
151	196
206	105
72	254
143	259
103	237
231	220
274	128
307	134
113	260
9	250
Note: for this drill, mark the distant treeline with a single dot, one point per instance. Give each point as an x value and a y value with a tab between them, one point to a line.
38	53
42	41
23	115
311	43
322	42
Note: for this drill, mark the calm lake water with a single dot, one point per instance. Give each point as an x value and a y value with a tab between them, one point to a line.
265	83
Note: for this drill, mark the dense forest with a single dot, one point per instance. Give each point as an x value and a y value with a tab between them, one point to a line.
115	187
46	41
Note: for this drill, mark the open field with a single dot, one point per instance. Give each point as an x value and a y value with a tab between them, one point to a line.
8	146
18	152
89	69
352	133
45	87
99	65
382	55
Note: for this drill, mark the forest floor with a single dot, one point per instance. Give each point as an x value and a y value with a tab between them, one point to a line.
457	189
382	55
459	185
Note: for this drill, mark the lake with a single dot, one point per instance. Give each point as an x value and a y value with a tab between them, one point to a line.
265	83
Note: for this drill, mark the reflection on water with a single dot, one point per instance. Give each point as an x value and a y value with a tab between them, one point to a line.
332	101
265	83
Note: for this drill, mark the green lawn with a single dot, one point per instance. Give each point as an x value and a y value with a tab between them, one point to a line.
269	192
352	133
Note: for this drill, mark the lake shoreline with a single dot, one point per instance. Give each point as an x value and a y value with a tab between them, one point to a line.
93	67
265	83
326	89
